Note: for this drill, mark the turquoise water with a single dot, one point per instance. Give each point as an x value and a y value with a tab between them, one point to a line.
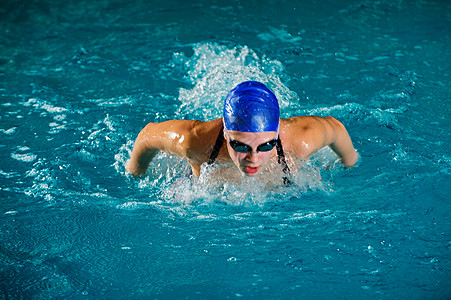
79	79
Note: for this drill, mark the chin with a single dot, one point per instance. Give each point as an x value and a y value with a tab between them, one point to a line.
251	174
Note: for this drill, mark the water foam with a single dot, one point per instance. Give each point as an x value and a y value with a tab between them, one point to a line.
215	69
168	182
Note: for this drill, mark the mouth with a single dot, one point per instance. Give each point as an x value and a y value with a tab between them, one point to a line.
251	170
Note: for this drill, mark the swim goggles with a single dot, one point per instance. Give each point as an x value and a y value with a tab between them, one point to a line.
243	148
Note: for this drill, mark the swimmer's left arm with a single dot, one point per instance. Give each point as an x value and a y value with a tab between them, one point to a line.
340	142
312	133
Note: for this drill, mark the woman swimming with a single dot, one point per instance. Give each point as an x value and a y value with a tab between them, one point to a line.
253	133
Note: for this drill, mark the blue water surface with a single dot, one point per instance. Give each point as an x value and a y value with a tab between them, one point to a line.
80	79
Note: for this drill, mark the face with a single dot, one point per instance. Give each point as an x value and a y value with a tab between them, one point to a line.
250	162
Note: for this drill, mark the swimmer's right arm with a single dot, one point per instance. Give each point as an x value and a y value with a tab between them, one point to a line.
171	136
142	153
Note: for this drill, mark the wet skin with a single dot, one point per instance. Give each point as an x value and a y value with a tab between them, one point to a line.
193	141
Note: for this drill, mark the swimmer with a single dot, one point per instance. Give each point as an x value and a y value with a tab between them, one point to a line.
250	134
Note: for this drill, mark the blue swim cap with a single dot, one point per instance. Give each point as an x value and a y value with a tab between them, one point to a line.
251	107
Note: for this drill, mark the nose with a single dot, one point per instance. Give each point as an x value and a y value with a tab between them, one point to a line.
251	156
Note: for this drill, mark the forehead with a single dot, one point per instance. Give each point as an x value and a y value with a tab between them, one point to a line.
252	138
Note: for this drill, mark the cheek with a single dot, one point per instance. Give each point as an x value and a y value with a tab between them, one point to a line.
235	156
239	157
265	156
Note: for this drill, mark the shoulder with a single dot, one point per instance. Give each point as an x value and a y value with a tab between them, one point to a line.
305	135
171	136
201	139
172	130
301	125
306	124
171	126
190	139
308	121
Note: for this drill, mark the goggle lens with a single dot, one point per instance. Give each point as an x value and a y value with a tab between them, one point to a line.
243	148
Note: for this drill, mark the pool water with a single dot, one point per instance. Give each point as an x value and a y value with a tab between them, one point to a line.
80	79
